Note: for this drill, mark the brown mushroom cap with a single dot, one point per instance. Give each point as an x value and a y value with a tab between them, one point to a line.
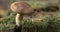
21	7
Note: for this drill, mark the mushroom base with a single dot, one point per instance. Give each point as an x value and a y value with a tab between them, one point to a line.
17	28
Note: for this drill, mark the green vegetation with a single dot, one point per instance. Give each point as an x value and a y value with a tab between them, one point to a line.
49	24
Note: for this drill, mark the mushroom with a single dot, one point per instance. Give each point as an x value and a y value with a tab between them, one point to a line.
21	8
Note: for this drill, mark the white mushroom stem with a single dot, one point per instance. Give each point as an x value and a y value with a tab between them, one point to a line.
19	19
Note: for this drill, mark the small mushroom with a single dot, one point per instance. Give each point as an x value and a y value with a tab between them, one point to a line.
21	8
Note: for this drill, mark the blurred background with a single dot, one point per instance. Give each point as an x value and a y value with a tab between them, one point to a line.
49	11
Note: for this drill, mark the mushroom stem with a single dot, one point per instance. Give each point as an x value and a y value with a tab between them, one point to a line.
19	19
